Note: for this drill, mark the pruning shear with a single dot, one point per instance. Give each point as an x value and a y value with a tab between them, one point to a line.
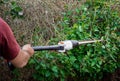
62	46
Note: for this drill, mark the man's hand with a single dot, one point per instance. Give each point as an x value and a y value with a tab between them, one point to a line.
28	49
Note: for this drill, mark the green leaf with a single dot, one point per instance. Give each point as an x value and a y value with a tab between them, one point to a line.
72	59
55	69
80	29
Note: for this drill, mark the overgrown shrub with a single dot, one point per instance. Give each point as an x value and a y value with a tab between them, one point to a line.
94	20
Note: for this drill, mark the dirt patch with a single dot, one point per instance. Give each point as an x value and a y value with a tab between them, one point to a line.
5	73
43	14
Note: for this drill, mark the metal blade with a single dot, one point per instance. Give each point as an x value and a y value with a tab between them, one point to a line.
86	42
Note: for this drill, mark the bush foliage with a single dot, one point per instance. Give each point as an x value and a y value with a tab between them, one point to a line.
94	20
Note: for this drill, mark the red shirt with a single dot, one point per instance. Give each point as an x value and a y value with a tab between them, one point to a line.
9	48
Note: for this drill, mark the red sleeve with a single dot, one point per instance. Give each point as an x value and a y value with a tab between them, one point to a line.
9	47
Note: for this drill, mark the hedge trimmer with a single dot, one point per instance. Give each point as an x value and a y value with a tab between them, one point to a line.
62	46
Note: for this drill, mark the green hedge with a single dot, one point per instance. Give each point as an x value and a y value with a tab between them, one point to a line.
94	20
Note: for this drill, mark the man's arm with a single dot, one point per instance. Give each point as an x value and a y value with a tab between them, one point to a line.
23	56
10	49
